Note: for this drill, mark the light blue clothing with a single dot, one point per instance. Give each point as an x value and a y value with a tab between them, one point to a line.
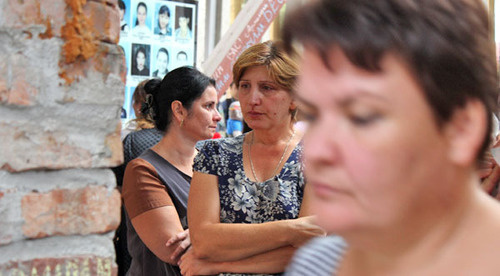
234	125
183	39
319	257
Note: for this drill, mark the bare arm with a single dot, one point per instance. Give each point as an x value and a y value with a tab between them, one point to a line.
155	226
274	261
218	242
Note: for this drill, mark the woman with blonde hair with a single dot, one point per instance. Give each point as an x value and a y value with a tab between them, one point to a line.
246	203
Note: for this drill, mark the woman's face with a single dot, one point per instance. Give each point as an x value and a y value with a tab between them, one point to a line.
374	155
163	20
263	103
203	116
141	60
162	62
141	15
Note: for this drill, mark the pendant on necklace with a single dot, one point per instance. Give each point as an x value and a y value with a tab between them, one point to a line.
272	187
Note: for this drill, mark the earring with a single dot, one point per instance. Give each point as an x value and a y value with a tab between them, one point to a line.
182	122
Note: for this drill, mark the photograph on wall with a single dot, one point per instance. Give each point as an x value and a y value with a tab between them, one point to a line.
140	61
160	62
157	37
163	22
124	6
183	24
141	19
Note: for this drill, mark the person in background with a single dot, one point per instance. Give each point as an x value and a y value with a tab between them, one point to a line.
489	169
235	121
229	98
162	58
246	208
163	27
141	121
156	184
399	96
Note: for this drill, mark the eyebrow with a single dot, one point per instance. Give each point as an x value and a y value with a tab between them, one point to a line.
344	101
263	81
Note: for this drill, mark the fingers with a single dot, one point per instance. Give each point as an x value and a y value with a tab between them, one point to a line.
178	237
490	182
484	172
181	248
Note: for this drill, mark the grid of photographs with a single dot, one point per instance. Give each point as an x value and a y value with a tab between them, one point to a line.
156	36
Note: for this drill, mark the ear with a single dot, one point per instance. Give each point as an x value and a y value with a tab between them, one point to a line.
178	111
466	132
293	105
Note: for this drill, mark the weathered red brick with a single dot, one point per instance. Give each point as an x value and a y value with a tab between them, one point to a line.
76	265
67	212
16	88
114	142
23	14
104	21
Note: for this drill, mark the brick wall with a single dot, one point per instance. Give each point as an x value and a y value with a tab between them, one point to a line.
61	89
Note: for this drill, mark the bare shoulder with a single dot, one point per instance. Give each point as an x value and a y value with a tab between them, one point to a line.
481	244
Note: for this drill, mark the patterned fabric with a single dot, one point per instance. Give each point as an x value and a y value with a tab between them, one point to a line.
137	142
319	257
245	201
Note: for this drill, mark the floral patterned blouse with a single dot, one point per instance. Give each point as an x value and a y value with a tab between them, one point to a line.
246	201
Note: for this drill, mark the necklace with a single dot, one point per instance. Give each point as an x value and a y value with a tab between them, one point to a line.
279	163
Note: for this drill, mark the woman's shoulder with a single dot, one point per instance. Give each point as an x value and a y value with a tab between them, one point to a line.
320	256
231	144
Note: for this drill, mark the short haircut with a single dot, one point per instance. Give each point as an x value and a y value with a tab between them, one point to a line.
271	54
446	44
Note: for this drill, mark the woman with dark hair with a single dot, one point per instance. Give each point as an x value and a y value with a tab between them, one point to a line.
399	95
162	59
139	66
156	185
140	27
163	27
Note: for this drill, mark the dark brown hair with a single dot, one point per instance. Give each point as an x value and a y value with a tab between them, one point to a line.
446	44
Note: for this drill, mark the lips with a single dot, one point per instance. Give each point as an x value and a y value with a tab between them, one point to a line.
325	190
254	114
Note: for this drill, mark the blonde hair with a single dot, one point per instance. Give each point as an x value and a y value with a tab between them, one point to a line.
282	69
142	121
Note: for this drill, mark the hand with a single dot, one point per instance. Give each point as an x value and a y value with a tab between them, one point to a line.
486	165
490	182
191	265
305	228
183	242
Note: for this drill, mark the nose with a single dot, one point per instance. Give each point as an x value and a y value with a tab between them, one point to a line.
321	145
255	96
217	117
